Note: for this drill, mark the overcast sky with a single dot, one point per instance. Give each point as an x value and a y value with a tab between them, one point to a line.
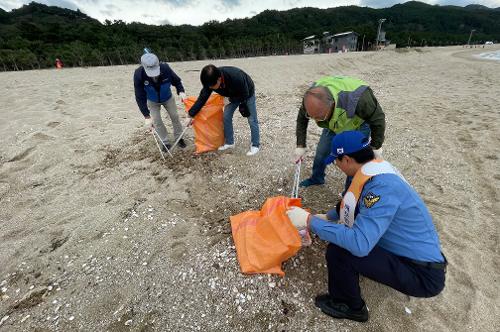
196	12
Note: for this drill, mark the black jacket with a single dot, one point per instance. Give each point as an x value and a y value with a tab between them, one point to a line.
236	85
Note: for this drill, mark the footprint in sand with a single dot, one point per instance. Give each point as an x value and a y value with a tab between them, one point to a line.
43	137
180	231
57	240
53	124
179	249
22	155
4	189
60	106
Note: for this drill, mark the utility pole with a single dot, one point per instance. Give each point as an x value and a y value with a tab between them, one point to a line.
363	44
382	20
470	36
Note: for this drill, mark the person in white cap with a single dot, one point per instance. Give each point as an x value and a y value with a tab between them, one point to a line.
152	85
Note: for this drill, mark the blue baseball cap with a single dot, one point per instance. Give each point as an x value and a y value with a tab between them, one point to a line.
347	142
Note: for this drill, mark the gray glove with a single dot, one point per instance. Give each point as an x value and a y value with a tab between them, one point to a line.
148	123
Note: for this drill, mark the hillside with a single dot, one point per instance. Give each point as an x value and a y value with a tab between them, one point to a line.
34	35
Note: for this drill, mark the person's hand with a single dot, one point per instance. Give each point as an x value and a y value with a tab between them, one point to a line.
148	123
378	153
299	217
183	96
299	154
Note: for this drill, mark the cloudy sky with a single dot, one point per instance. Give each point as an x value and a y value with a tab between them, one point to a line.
196	12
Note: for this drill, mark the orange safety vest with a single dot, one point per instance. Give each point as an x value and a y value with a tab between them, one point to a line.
351	197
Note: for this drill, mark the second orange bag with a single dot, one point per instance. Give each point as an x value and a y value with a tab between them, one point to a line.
265	239
208	126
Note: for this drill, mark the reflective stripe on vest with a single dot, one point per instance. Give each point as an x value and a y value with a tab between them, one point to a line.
351	197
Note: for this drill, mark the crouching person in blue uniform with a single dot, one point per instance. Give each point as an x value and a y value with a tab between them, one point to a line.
381	229
152	86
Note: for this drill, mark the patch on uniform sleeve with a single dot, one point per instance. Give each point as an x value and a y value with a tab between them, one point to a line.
370	199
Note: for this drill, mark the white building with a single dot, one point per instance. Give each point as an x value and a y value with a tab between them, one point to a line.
344	41
311	44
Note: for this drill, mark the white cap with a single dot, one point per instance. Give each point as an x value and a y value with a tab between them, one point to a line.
151	64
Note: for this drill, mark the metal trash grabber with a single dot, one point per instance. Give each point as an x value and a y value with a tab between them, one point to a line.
159	138
296	180
180	136
158	145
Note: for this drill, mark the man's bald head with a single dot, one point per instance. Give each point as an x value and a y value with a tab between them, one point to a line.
319	103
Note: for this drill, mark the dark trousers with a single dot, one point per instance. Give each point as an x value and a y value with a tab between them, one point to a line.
382	266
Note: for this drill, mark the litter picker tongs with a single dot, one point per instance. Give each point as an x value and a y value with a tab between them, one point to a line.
296	179
155	135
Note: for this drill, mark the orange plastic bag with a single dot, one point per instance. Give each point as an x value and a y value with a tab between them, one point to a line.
264	239
208	126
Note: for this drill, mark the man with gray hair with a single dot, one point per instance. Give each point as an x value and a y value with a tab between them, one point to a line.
337	104
152	83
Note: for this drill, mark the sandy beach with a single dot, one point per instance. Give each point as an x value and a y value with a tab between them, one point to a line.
98	233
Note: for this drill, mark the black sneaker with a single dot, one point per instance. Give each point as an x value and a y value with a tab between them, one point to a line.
310	182
340	310
181	143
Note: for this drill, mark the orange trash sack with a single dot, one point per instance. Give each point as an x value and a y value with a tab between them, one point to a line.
208	126
264	239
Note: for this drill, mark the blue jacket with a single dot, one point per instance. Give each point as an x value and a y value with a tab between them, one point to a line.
389	214
147	89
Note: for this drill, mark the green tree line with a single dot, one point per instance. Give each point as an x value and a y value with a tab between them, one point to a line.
34	35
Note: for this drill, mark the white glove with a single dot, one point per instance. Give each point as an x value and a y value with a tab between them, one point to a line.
298	217
183	96
299	154
148	123
322	216
378	153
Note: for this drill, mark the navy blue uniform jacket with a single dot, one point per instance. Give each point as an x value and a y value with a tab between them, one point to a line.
159	92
